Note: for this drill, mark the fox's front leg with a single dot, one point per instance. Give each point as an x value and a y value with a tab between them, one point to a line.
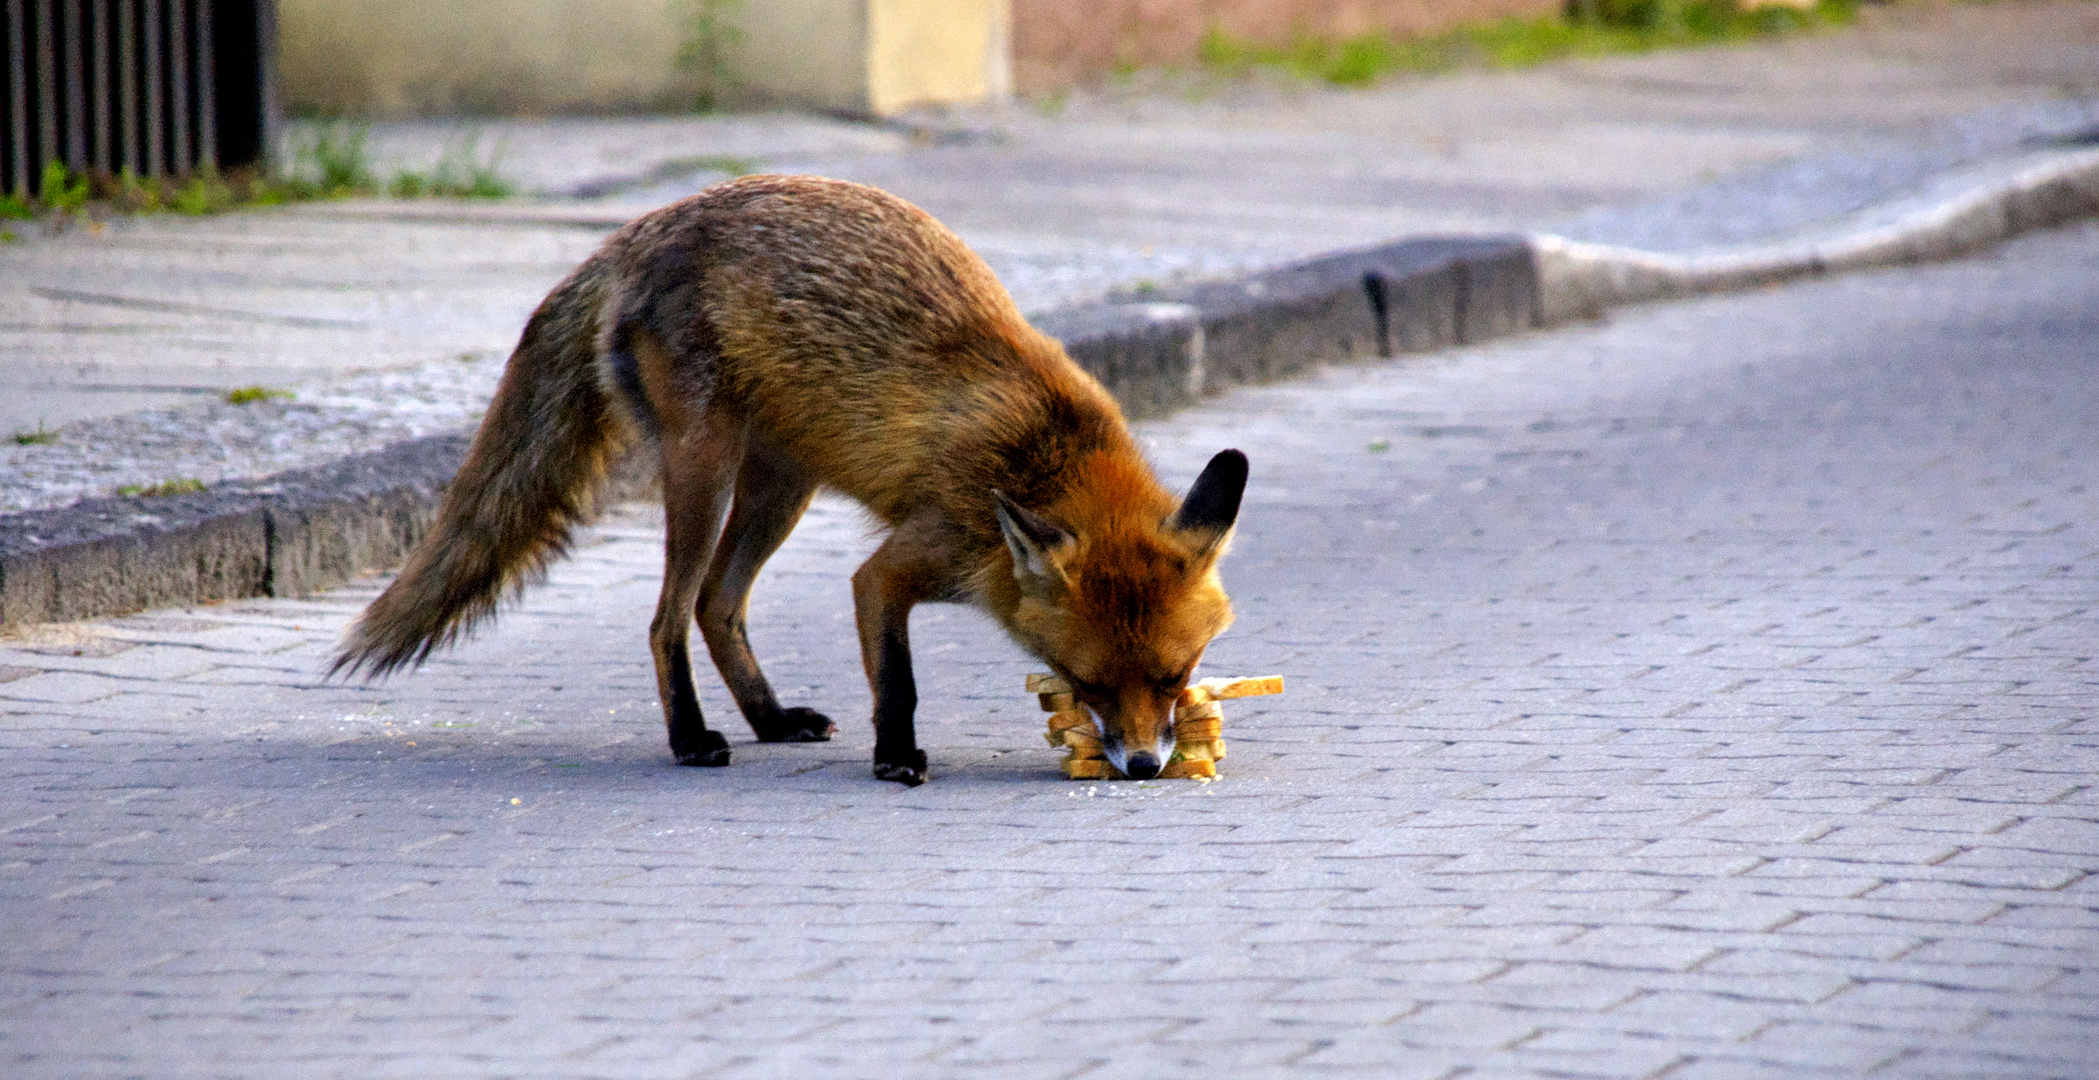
909	568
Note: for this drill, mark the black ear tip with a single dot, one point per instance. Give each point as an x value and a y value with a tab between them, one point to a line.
1228	468
1213	503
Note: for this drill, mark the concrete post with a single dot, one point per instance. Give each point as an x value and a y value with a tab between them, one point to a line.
874	57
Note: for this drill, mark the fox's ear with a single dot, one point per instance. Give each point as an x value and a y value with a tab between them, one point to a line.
1212	504
1035	542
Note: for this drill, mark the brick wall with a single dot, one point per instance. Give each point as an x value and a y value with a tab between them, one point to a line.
1059	42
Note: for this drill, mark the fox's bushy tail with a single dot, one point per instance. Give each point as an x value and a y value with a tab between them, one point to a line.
531	476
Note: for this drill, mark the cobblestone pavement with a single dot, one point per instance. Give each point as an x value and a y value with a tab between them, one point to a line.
1708	693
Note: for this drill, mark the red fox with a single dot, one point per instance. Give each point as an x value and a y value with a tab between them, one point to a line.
776	334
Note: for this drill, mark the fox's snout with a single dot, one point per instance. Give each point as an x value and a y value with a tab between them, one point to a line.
1138	740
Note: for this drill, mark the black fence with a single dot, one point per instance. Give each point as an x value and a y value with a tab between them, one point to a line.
154	88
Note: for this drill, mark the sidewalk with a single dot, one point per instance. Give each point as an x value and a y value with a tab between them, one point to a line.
1124	187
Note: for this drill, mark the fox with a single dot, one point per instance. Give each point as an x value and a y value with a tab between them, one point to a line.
772	336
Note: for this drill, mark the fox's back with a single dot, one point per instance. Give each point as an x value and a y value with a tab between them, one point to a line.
860	335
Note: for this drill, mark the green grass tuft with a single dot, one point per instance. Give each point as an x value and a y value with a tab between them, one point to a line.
460	173
187	485
331	162
249	395
42	436
60	190
711	38
705	163
1590	28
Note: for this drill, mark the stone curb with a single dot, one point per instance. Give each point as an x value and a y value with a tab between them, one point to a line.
298	532
1958	213
1171	348
291	534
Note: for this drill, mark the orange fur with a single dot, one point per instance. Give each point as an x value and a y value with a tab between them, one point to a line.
776	334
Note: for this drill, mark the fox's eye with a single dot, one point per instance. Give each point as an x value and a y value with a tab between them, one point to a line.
1086	689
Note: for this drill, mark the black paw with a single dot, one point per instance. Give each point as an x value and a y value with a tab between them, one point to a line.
707	748
910	772
797	725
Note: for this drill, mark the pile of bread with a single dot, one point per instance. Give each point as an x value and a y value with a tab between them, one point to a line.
1198	727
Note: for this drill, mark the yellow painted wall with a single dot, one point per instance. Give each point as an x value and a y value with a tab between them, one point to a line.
390	58
812	52
393	58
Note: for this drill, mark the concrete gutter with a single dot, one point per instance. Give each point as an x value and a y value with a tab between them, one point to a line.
306	530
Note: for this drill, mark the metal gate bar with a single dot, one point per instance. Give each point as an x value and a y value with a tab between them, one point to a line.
178	89
155	165
46	82
76	88
100	51
207	94
144	87
17	99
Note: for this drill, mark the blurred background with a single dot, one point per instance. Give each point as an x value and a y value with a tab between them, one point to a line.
159	87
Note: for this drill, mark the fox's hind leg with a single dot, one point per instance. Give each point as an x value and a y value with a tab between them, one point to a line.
699	460
771	494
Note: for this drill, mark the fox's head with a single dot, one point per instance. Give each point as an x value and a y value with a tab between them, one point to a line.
1121	597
